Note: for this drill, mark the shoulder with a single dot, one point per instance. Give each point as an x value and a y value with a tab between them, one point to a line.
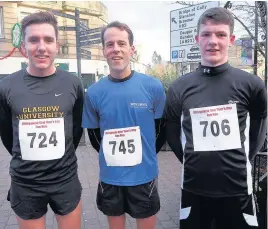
97	87
68	77
183	81
149	81
249	80
10	81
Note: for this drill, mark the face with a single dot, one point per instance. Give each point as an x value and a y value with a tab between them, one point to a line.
214	41
118	52
41	46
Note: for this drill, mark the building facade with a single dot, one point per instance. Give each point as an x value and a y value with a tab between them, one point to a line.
93	14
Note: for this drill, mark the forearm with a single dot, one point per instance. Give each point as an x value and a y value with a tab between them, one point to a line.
257	133
173	135
95	138
160	130
77	134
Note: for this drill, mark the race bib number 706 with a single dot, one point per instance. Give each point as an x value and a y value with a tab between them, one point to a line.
215	128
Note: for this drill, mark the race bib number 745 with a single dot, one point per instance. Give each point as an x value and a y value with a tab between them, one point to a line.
122	147
215	128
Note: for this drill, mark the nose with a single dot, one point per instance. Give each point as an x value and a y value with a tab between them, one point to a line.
212	39
116	47
41	46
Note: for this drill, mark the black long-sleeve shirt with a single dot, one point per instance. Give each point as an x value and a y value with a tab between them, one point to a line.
216	123
37	114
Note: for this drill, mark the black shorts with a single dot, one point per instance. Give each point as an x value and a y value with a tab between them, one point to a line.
141	201
31	202
201	212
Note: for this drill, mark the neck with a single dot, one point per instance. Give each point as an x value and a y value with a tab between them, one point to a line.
40	72
204	63
120	74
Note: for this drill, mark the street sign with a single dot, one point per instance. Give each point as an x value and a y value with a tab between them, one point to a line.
83	26
183	28
57	13
84	56
86	52
89	31
89	37
67	28
90	42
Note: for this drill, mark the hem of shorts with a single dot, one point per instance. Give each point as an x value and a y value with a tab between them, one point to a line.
69	210
106	213
145	215
129	183
30	217
212	195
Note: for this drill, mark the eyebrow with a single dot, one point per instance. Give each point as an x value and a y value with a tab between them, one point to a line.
213	32
115	41
46	37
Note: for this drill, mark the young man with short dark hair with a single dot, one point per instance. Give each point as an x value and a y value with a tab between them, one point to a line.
40	126
221	111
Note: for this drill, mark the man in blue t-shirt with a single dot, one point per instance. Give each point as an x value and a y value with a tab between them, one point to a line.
123	114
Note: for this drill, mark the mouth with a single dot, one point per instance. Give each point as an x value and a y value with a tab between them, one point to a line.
116	58
41	57
212	50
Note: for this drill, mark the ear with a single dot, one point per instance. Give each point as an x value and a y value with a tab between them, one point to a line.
197	38
232	40
132	51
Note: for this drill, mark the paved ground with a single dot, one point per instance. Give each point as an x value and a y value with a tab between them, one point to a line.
92	218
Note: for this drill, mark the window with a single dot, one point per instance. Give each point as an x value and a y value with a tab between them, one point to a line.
84	22
23	15
1	23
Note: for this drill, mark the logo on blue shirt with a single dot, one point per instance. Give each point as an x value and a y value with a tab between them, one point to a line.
138	105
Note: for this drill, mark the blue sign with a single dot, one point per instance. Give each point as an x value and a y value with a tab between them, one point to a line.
175	54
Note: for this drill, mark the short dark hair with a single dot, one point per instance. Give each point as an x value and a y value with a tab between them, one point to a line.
122	27
39	18
218	15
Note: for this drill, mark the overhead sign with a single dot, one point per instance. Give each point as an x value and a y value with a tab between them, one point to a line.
57	13
89	31
89	37
183	28
67	28
90	42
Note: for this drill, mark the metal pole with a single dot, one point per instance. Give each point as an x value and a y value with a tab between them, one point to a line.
266	48
78	49
255	68
78	57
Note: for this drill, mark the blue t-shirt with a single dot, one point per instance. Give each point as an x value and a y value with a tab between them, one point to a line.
134	102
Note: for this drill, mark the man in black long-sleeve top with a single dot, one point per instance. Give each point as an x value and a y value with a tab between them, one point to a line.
220	113
40	126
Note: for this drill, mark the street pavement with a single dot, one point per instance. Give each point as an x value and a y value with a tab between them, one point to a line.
88	168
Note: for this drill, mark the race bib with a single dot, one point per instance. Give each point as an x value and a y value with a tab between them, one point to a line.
42	139
215	128
122	147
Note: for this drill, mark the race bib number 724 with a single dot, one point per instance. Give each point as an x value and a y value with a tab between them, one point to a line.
42	139
215	128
